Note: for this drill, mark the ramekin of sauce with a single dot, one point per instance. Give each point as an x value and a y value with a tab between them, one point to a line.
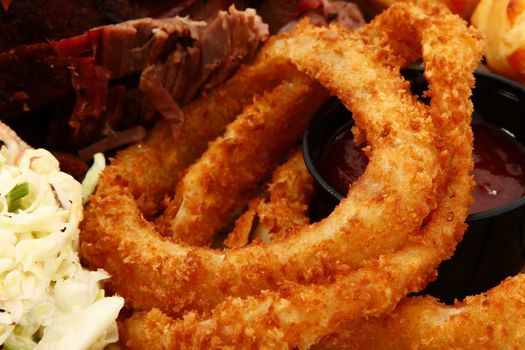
494	245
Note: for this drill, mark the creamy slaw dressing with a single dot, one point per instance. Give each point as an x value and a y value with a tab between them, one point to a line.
47	299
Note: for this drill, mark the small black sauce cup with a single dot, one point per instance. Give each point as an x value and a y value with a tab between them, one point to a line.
493	246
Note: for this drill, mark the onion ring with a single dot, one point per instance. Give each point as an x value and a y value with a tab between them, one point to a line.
400	126
389	261
494	320
161	158
237	161
299	315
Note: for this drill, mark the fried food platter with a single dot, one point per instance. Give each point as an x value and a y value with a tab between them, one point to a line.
280	281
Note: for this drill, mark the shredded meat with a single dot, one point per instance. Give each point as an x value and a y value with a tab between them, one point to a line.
282	15
344	13
219	49
154	65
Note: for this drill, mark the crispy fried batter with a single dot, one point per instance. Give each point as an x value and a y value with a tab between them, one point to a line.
492	321
237	161
115	225
376	218
298	315
150	170
280	209
398	222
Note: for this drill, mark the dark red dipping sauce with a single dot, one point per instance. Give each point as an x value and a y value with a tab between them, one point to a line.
499	166
343	162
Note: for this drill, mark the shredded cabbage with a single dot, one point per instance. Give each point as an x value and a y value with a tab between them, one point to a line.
91	179
47	300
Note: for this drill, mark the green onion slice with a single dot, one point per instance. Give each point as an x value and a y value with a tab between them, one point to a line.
15	195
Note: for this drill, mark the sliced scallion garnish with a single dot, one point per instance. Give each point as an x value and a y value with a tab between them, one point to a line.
15	195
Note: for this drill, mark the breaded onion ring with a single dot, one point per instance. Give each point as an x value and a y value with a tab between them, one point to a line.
402	140
237	162
376	218
150	170
494	320
377	245
298	315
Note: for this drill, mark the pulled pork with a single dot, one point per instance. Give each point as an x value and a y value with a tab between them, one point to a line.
122	75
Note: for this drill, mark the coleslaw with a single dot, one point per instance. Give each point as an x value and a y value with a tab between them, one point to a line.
47	299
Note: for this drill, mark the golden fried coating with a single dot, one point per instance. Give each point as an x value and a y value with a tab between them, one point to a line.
376	218
280	209
295	316
150	170
385	239
235	163
114	230
494	320
300	315
464	8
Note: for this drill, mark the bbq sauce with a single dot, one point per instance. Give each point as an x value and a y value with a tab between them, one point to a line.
499	166
343	162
